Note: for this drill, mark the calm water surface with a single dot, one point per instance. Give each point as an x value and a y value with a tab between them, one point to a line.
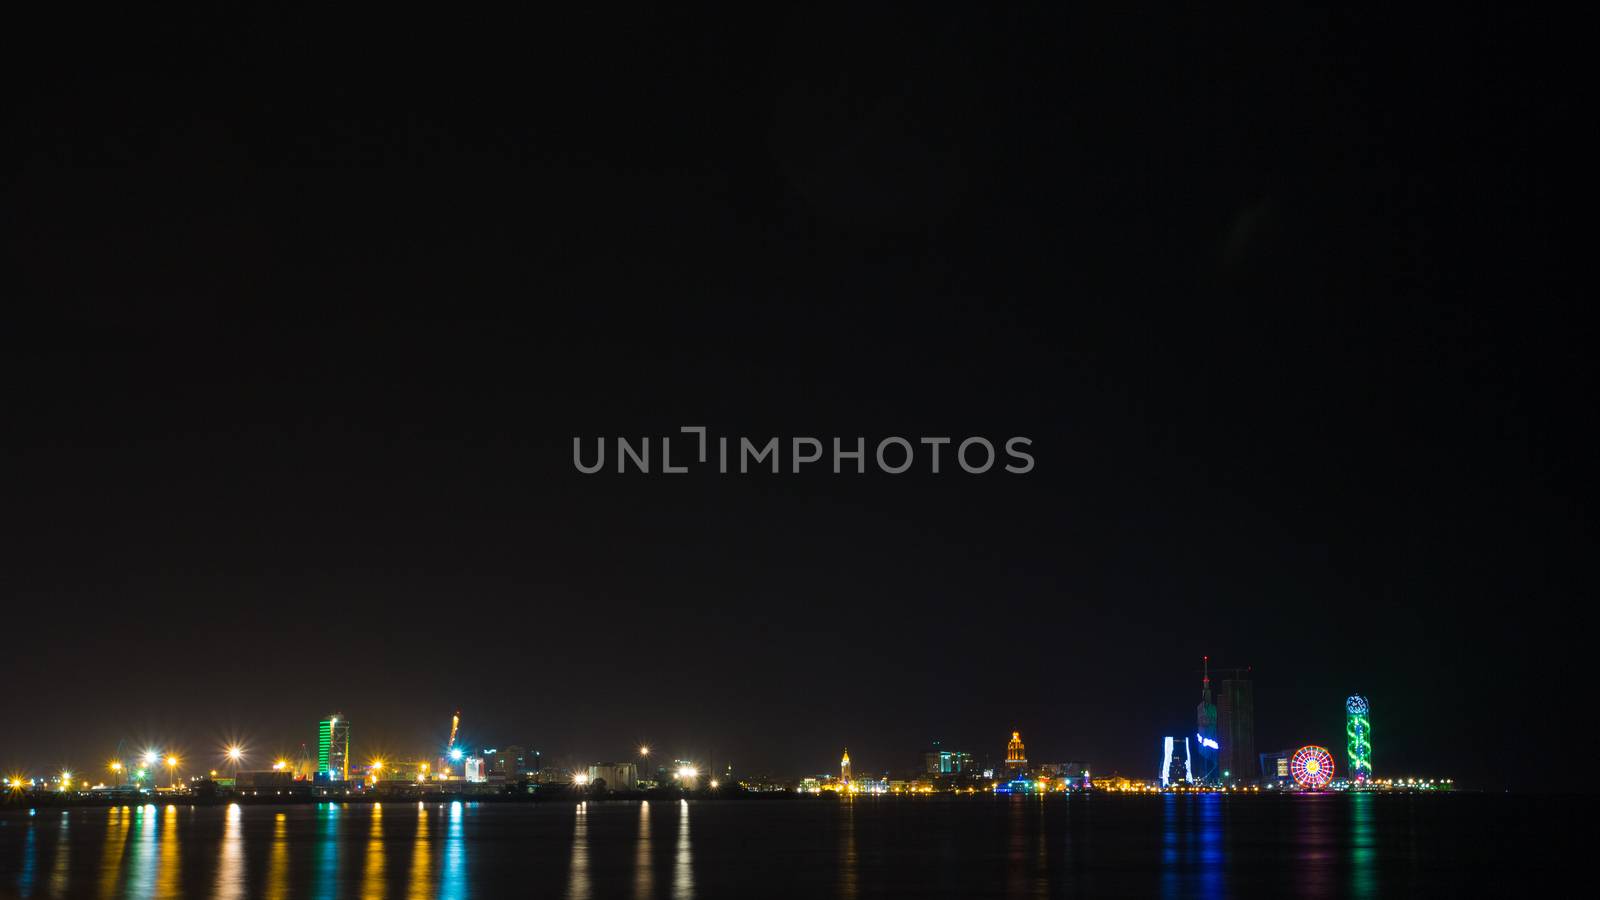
1173	846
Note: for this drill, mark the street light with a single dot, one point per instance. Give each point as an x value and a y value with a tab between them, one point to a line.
172	769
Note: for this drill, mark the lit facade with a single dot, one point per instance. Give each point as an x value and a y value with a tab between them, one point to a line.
618	776
844	767
1176	767
333	748
1016	753
1358	737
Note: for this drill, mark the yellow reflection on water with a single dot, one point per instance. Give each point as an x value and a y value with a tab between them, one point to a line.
167	884
141	871
578	873
848	887
118	822
59	873
422	858
372	877
643	877
278	861
230	869
683	862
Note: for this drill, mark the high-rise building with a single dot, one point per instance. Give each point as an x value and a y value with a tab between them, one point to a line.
1236	726
1016	754
1358	734
1175	762
333	748
1205	715
844	766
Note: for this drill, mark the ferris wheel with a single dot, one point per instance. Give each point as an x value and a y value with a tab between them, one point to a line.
1312	767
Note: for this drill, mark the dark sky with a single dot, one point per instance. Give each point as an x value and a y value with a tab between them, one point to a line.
306	315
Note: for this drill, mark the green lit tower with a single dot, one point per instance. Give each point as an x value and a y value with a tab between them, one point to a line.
333	748
1358	733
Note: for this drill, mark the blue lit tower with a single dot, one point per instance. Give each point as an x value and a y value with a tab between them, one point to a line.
1358	735
1205	715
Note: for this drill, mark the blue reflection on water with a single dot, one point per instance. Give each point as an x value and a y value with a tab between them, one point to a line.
327	874
30	850
453	881
1193	861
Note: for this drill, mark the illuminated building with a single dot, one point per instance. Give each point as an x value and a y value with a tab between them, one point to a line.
1358	734
1205	715
333	748
844	767
947	762
473	771
1175	762
1275	766
617	776
1311	767
1016	754
1236	726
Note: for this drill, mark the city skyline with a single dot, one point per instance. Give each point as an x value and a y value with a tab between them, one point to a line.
333	754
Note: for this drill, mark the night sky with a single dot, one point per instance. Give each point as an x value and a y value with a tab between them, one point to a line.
306	315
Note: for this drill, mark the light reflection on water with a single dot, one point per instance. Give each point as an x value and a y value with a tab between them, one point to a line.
1201	845
683	865
1363	883
58	870
643	873
453	880
1193	863
278	865
578	871
119	819
230	869
422	857
372	885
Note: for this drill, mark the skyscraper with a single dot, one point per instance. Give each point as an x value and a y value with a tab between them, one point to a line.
1236	726
1358	733
1205	715
333	748
1016	754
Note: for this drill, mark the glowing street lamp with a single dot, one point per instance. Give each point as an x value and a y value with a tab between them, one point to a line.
116	772
172	769
280	765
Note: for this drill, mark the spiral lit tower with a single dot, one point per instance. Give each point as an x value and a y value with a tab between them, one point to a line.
1358	734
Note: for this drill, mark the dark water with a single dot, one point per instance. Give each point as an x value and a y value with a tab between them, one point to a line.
1177	846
